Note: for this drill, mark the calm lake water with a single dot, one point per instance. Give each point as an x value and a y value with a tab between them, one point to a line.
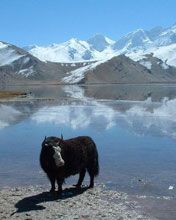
134	128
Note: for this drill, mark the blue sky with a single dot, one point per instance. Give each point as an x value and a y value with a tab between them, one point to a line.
42	22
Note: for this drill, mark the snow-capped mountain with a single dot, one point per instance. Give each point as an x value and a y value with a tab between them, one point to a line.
74	50
8	54
134	40
166	37
71	50
17	60
141	39
166	53
18	65
159	41
71	61
121	69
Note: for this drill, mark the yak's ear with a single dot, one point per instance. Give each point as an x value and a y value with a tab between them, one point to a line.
62	137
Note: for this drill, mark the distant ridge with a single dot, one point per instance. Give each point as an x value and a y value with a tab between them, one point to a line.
159	41
138	57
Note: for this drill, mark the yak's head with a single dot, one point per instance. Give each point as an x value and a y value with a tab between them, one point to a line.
52	147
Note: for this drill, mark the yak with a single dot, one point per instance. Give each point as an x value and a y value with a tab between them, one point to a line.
61	158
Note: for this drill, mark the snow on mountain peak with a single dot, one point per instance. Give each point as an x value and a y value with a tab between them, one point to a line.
110	41
173	27
134	40
76	44
99	42
8	54
69	51
72	41
137	31
99	47
30	47
2	45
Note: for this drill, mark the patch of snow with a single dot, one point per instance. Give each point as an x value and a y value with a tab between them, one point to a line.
26	72
8	55
2	45
29	47
171	188
26	60
78	74
164	66
147	64
109	41
136	55
166	54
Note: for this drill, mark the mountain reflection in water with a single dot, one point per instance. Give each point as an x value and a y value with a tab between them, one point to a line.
135	139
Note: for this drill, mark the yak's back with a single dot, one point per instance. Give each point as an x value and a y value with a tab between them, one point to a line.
81	142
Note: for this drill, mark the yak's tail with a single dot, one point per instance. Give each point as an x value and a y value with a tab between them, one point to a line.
96	163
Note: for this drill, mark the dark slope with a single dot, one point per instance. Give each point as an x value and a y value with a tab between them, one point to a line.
122	69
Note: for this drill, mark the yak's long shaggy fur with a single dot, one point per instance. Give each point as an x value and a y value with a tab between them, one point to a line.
79	154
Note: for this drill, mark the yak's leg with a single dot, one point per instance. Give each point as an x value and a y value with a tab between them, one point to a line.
91	174
52	181
81	178
59	183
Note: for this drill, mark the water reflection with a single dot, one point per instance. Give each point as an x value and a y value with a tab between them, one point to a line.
160	120
142	118
8	115
135	139
77	116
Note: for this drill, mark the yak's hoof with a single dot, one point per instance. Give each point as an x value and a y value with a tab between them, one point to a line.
77	186
91	186
52	191
55	193
59	192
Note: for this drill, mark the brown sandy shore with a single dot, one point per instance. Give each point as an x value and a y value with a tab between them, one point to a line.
30	203
11	94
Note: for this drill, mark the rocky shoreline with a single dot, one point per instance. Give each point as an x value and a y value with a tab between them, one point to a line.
99	203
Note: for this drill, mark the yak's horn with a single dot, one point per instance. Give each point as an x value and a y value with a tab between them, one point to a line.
62	137
45	138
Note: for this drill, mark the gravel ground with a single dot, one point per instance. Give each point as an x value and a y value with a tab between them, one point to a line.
28	203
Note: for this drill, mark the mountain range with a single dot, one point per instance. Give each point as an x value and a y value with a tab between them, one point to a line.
159	41
17	66
140	56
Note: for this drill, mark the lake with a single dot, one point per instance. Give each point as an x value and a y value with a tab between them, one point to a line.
134	127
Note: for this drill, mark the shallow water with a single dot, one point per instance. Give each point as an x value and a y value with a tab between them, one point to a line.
136	140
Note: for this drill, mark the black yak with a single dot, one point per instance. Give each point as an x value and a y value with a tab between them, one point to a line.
61	158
